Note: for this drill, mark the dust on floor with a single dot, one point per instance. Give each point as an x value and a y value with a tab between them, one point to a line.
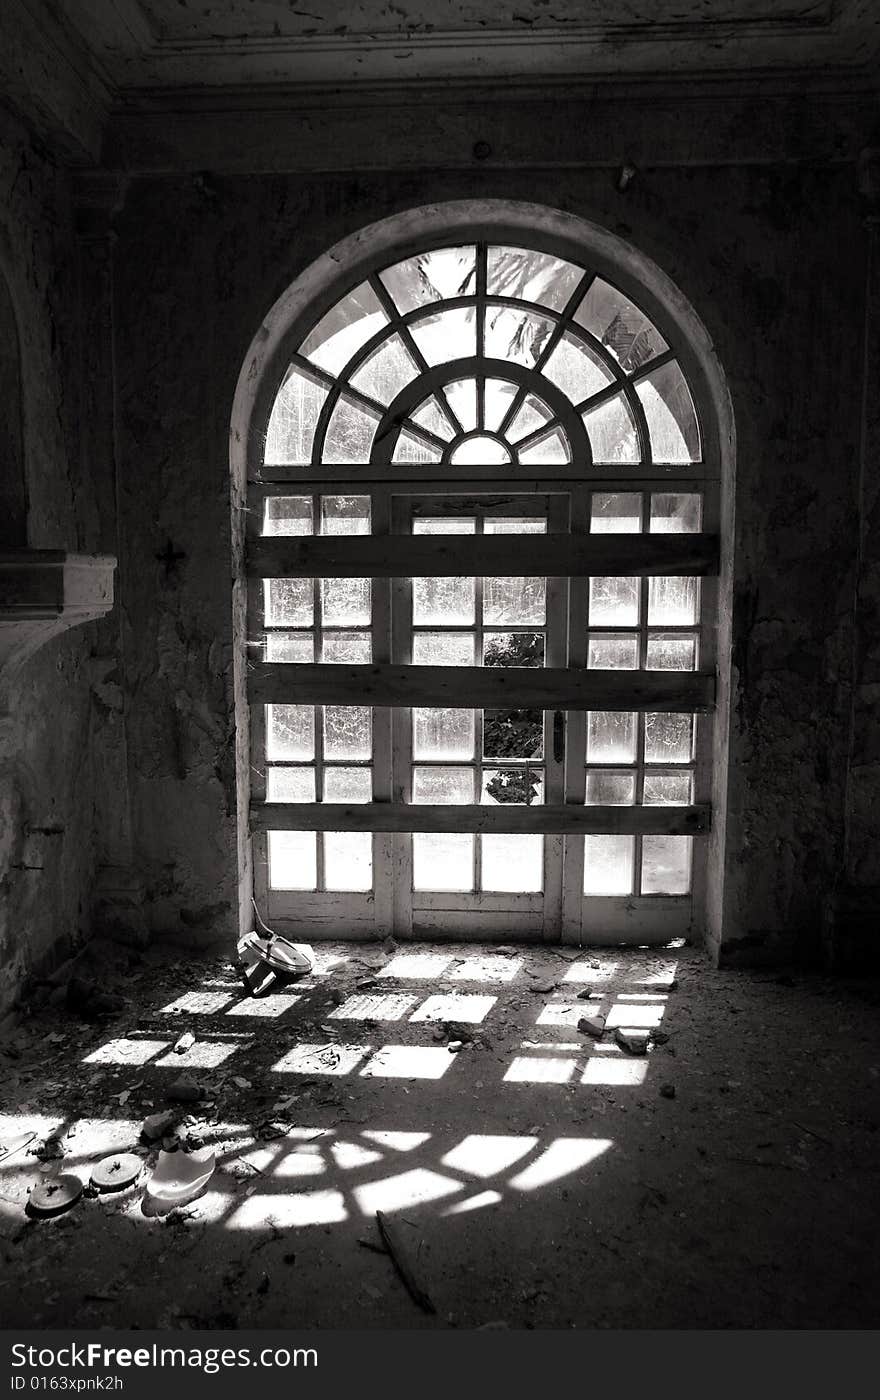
533	1177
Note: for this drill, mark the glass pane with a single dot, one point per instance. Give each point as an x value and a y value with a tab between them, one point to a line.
290	785
348	860
350	434
671	653
531	276
443	785
288	602
480	451
351	648
513	733
443	733
519	336
666	864
614	601
523	786
619	325
610	789
668	789
616	513
295	413
462	399
672	601
429	277
522	600
676	512
443	600
608	865
447	335
612	431
497	398
611	736
552	448
287	515
430	415
345	602
515	525
609	652
443	861
290	731
533	414
293	860
348	785
444	525
443	649
388	370
412	449
513	649
576	370
345	329
672	419
513	863
345	515
290	647
669	738
347	731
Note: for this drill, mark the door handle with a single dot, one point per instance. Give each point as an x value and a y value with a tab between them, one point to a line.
559	736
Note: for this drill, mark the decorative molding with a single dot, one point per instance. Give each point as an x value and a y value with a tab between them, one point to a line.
190	52
43	593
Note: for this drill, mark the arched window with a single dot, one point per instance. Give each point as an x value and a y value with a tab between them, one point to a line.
482	535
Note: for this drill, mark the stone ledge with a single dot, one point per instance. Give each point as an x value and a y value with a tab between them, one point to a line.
43	593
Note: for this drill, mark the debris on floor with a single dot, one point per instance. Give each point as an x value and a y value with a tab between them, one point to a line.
55	1195
178	1178
401	1254
536	1139
633	1040
593	1025
116	1172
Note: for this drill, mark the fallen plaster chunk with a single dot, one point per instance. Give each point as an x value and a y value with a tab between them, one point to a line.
592	1025
184	1043
183	1091
635	1041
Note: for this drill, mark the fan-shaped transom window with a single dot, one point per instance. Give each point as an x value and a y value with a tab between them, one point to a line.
481	552
483	355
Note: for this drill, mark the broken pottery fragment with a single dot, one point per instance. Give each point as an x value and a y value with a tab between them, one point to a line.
179	1176
183	1043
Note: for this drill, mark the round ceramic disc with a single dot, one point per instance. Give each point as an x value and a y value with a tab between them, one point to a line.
116	1172
56	1194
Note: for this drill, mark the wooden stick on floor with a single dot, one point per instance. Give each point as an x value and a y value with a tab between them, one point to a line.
399	1251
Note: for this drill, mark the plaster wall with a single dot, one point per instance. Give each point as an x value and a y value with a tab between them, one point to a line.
47	720
772	260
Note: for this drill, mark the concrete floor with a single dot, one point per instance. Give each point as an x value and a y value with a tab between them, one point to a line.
537	1178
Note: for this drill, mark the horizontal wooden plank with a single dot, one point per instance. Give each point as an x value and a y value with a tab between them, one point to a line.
506	817
532	475
478	687
408	556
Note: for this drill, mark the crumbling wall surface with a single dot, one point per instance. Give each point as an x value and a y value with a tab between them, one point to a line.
46	790
771	260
